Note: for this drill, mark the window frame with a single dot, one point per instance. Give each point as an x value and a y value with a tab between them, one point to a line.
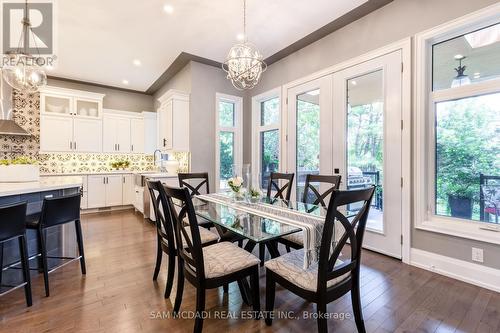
257	128
237	131
425	135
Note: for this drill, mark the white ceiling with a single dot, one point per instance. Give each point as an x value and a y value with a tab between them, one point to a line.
98	40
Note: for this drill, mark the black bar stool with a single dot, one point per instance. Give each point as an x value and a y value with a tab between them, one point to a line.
57	211
12	225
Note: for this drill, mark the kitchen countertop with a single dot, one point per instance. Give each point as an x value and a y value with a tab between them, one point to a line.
152	174
44	184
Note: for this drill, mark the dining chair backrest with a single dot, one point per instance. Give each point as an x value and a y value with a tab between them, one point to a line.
194	182
164	222
283	191
353	232
187	234
12	220
311	193
60	210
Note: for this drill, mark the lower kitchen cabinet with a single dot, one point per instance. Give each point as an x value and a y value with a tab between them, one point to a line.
104	191
128	195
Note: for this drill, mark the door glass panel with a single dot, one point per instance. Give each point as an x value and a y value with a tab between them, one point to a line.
226	141
270	112
308	144
57	104
226	114
365	140
269	155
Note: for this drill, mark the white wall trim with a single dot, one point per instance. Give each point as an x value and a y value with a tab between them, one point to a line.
476	274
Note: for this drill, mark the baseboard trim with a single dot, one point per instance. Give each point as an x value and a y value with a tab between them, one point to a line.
105	209
476	274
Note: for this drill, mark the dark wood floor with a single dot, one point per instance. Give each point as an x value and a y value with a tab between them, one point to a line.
118	294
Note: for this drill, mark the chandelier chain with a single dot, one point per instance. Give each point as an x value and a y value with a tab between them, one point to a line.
245	20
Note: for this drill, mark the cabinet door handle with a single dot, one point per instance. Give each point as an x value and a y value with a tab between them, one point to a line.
75	145
118	147
132	147
164	142
70	145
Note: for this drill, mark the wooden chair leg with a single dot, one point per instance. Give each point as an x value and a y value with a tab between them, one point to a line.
180	285
170	275
79	240
240	243
226	288
1	263
23	249
200	307
159	253
45	266
356	306
270	294
262	253
254	283
287	248
322	322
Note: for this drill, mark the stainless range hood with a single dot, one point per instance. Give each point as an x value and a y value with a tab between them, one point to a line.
7	124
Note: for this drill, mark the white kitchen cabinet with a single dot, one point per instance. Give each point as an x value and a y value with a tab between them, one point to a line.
173	121
128	190
56	133
150	131
70	120
87	135
114	190
116	134
169	181
137	135
96	191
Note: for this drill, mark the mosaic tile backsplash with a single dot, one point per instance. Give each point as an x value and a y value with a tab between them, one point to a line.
27	115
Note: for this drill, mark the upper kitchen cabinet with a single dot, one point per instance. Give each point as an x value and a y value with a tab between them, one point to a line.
67	117
128	132
116	133
173	121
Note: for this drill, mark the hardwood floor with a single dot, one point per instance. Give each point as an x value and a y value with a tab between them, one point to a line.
118	294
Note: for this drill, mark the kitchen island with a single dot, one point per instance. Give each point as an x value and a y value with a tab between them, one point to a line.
60	239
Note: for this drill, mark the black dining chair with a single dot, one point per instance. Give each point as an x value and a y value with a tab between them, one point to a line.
12	226
282	183
195	182
55	212
329	278
312	196
207	267
165	234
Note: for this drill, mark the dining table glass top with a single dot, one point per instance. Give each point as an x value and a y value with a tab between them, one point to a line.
254	226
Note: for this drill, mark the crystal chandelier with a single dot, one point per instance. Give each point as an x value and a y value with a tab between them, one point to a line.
22	71
244	63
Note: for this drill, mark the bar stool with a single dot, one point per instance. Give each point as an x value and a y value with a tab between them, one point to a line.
12	226
57	211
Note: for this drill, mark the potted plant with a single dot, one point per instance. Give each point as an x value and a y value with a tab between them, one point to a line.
122	164
20	169
254	195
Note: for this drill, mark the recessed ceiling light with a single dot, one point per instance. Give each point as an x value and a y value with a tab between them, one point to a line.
354	83
125	81
240	37
137	62
168	9
477	75
458	56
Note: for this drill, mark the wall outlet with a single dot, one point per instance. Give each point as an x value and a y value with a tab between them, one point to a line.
477	254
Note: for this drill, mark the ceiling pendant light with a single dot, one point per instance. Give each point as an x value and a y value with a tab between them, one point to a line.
461	79
244	63
23	71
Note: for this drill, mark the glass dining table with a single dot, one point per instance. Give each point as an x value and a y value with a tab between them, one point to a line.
232	219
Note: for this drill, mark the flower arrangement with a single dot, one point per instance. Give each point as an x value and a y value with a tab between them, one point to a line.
123	164
235	183
19	161
254	195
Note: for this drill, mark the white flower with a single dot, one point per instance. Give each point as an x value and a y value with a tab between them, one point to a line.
237	181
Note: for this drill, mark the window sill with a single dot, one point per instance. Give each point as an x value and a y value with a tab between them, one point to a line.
468	230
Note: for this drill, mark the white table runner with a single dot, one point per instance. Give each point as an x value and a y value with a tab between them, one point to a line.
311	225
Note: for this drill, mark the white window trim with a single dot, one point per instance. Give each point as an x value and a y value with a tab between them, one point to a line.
257	128
237	130
424	218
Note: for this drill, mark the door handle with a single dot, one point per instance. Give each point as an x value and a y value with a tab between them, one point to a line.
164	142
118	147
75	145
132	147
70	145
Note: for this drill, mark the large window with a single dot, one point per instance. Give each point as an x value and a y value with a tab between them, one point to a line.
266	149
458	124
228	138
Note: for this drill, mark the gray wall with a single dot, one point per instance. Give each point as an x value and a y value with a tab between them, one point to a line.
114	99
202	82
397	20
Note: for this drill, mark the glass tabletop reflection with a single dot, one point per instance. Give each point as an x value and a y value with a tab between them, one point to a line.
253	226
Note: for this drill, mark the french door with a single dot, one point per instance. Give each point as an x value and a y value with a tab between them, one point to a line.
349	123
